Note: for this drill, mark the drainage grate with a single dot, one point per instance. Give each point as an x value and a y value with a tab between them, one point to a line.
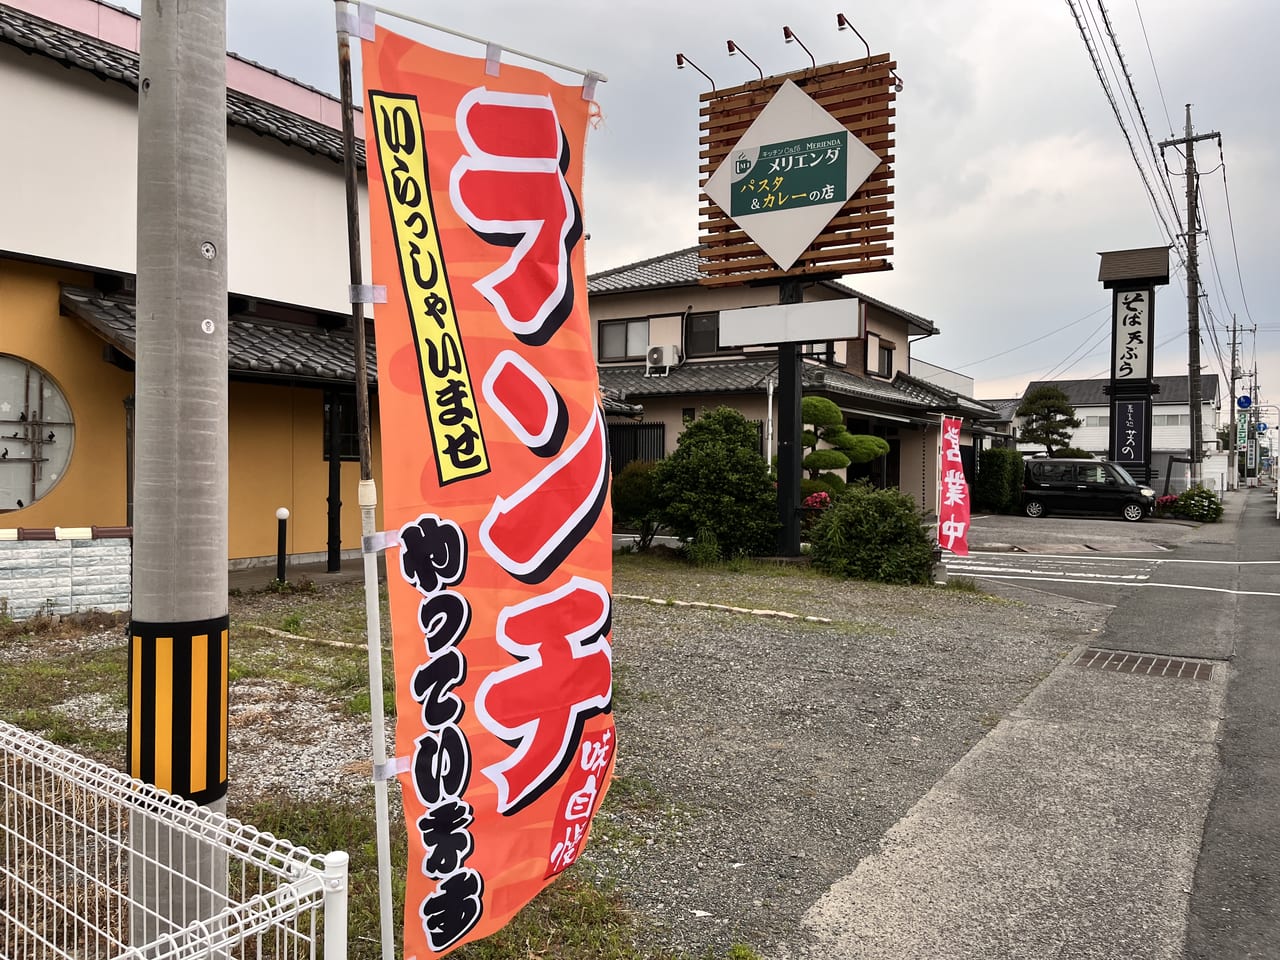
1145	664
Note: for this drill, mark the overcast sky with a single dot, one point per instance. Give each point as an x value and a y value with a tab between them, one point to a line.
1012	172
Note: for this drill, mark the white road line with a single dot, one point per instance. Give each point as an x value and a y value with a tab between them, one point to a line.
1109	558
1147	583
1028	570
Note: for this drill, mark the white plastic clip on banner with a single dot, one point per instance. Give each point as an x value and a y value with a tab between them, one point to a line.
492	59
377	542
368	292
589	82
366	29
392	768
358	22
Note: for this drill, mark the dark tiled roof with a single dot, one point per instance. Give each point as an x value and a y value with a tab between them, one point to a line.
734	376
749	376
1005	409
941	398
680	269
256	349
1149	263
1089	393
73	49
615	406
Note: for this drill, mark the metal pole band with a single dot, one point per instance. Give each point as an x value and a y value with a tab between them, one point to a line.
178	706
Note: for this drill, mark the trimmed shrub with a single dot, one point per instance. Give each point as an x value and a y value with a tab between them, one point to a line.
635	499
1200	504
870	534
1074	453
998	486
716	484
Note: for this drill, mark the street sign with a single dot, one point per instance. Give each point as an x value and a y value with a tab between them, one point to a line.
791	172
1261	427
1242	428
1243	402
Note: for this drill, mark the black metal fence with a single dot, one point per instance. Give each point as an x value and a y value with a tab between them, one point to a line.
636	441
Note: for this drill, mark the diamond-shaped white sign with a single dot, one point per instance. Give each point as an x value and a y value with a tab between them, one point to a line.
790	174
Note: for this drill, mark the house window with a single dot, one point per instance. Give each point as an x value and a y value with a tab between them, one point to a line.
624	339
822	352
702	334
884	361
348	430
1171	419
1100	421
36	433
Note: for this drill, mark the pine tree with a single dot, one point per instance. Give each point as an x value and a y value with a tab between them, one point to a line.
1049	418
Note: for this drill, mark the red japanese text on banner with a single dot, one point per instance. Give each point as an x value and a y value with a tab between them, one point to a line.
953	492
495	468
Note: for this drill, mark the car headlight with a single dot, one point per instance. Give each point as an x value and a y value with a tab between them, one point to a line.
1146	491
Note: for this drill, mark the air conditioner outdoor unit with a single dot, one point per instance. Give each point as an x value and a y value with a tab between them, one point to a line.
661	355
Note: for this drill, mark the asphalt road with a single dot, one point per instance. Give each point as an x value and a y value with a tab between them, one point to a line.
1212	593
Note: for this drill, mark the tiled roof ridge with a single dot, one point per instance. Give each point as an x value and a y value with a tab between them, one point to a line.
647	262
255	347
114	62
928	385
1162	379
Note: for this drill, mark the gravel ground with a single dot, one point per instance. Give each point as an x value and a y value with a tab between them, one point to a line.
776	753
760	757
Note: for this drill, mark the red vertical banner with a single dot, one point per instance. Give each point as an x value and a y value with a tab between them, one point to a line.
953	492
496	474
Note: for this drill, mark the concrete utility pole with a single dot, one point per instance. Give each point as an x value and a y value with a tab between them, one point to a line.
179	630
1194	397
1233	476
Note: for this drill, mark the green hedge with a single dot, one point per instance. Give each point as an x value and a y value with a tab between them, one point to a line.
998	487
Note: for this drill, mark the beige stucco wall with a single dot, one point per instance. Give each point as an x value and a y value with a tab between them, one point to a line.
670	411
76	161
918	461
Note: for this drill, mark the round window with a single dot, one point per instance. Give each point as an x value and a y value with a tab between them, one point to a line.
36	432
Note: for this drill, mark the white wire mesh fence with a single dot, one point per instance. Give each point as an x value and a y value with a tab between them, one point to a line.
96	865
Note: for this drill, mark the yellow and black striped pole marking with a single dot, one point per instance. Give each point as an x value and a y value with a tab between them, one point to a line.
178	706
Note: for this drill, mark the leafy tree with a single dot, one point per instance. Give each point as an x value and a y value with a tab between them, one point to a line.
1050	418
825	425
716	487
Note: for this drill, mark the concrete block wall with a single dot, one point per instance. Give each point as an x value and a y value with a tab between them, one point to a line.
64	571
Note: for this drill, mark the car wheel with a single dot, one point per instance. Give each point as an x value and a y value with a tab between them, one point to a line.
1133	511
1034	508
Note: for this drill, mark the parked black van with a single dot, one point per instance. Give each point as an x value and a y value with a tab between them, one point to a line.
1054	485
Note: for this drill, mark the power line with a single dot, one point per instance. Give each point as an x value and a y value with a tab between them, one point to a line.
1106	19
1085	349
1163	102
1232	226
1152	196
993	356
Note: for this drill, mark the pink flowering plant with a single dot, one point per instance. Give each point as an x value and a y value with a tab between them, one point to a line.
819	500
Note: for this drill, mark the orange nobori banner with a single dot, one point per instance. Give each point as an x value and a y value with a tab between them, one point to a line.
495	467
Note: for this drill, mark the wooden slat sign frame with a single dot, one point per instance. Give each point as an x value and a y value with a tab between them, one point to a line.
859	239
